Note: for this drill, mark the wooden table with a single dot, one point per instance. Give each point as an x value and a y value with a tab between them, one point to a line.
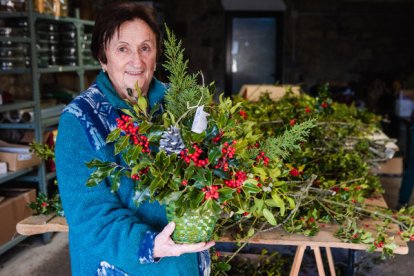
323	239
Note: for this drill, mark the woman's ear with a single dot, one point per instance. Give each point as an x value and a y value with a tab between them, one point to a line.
103	65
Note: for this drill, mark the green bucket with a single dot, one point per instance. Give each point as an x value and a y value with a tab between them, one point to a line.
193	226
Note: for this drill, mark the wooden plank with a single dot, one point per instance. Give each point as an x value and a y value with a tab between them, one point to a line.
325	237
318	258
330	261
297	261
42	224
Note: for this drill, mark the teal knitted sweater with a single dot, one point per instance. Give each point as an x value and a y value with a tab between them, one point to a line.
106	226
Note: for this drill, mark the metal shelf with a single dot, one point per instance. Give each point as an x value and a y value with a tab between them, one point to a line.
50	121
4	14
40	123
12	243
16	105
15	71
16	126
13	175
58	69
15	39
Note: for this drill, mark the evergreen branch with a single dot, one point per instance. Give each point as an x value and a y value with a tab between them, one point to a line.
280	146
184	90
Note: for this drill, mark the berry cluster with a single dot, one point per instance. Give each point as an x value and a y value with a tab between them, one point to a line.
211	192
262	156
243	114
378	244
195	156
237	180
137	176
125	123
294	172
227	152
217	139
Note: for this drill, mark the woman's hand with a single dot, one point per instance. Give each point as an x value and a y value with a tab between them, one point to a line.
164	246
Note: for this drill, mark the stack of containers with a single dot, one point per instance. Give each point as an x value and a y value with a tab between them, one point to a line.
56	44
86	40
68	55
13	55
47	43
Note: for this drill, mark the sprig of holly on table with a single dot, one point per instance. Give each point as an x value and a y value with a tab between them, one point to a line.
44	205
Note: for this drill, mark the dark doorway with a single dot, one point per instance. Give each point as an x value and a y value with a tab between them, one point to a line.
253	50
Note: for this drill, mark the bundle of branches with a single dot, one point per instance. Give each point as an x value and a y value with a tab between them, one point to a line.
330	179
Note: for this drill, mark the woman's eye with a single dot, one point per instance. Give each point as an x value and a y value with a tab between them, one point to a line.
145	48
123	49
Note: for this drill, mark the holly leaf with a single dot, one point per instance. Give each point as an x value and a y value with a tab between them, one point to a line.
116	180
156	183
225	193
212	132
196	199
154	135
221	174
99	175
260	172
132	154
171	197
95	163
259	203
279	201
222	266
251	188
121	144
269	217
113	135
144	126
214	154
128	112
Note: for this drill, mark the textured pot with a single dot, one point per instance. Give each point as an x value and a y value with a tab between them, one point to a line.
193	226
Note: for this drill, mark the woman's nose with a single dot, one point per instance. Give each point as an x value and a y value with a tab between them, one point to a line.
136	59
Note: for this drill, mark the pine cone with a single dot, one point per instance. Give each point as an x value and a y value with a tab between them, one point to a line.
171	141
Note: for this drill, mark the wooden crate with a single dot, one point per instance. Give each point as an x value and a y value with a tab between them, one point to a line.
252	92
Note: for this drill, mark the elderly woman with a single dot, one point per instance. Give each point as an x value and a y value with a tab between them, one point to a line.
108	234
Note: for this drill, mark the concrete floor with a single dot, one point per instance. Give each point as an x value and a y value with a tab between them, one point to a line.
33	257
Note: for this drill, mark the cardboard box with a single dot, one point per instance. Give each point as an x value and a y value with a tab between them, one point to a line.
13	209
252	92
17	157
393	167
3	167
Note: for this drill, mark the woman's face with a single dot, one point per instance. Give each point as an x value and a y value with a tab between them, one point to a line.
131	57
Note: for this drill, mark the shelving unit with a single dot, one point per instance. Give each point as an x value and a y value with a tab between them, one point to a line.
39	124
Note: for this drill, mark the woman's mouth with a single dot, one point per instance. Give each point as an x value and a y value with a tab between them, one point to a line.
134	72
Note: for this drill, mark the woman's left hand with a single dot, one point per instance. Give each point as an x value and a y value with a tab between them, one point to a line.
164	246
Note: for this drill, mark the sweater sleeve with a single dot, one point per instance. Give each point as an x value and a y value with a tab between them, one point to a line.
98	221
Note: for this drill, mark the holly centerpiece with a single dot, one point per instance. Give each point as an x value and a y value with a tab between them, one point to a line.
200	159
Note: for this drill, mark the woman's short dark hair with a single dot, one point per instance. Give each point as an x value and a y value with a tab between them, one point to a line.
110	20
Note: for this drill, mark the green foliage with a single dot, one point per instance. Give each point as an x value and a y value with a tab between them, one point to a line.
45	206
283	145
341	154
184	92
43	151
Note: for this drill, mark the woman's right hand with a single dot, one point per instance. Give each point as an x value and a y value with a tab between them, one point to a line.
164	246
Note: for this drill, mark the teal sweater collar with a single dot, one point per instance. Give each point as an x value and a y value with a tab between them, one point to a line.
156	91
